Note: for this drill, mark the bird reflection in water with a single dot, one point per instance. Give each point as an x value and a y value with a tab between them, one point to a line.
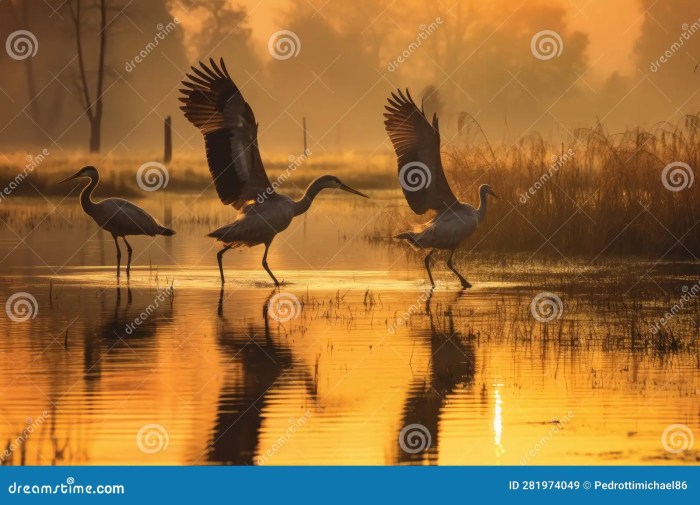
452	364
256	361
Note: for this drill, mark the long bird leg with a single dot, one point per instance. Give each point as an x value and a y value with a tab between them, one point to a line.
219	255
264	264
465	283
427	267
119	254
128	261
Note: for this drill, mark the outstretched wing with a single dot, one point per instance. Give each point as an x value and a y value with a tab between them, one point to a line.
417	145
214	104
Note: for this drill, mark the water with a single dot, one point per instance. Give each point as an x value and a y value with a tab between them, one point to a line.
353	361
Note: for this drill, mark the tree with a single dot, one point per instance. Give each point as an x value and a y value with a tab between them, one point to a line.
92	107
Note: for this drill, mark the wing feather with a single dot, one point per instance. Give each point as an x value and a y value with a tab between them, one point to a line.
214	104
416	143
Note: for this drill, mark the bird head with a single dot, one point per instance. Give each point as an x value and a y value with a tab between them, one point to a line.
332	182
485	189
87	171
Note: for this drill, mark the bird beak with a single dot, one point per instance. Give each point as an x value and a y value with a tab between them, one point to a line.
74	176
353	191
493	194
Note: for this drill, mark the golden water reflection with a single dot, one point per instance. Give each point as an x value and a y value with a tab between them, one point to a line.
226	383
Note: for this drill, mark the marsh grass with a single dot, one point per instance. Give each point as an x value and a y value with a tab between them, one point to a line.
605	198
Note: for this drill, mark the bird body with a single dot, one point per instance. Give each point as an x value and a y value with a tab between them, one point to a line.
215	105
257	223
117	216
416	142
447	230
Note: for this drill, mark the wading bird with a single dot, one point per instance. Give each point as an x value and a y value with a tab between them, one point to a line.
213	103
117	216
417	145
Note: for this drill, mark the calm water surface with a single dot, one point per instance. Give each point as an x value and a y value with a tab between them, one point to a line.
340	366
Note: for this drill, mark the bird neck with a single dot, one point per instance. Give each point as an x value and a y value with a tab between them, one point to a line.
303	204
481	211
86	194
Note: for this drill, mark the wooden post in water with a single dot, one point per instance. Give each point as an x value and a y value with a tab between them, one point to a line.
303	120
168	141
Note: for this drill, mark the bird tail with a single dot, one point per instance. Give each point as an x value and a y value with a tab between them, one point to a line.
168	232
407	235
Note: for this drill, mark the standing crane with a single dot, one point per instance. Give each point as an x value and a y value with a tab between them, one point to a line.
215	105
416	143
117	216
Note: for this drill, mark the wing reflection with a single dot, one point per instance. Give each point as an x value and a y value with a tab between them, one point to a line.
452	363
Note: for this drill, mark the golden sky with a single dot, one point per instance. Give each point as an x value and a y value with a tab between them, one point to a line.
606	23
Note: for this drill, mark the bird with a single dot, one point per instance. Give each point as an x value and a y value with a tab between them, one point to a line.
117	216
215	105
416	142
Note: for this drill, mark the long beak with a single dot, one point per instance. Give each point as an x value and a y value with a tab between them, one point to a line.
494	195
74	176
353	191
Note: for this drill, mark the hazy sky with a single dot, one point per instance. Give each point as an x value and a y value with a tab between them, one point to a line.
609	23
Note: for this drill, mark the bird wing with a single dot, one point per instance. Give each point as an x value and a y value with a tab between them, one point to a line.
125	218
417	145
214	104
